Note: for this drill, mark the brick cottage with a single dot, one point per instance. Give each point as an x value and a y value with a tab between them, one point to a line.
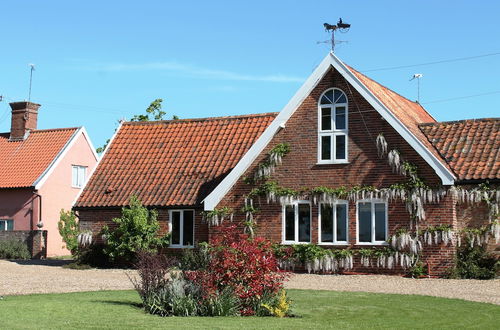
348	164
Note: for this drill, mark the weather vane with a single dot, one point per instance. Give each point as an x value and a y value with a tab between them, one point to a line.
341	26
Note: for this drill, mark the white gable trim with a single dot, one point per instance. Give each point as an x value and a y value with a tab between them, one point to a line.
99	159
211	201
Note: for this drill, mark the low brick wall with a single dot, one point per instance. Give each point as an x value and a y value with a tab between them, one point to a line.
35	240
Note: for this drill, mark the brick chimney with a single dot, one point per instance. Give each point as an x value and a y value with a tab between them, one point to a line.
24	118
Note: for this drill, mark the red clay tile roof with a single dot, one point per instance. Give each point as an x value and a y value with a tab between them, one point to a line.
471	147
23	162
171	163
410	113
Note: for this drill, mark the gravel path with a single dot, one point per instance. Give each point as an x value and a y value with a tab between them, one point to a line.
25	277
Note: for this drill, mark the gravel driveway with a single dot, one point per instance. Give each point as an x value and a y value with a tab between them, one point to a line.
25	277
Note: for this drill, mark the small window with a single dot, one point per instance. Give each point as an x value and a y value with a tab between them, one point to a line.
333	223
78	176
6	225
332	127
372	222
297	223
182	228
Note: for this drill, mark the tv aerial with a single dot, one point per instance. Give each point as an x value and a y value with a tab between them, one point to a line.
341	27
417	76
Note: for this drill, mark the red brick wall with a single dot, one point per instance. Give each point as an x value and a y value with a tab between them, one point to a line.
95	219
299	169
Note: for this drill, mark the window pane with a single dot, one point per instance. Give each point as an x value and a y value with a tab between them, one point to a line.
176	227
187	238
289	223
365	222
10	224
340	147
341	98
326	147
326	223
81	176
327	98
342	222
326	119
3	225
380	230
304	223
74	176
340	122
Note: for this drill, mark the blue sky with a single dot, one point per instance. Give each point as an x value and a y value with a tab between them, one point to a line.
99	61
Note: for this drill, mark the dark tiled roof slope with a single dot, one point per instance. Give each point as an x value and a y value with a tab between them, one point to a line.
171	163
471	147
23	162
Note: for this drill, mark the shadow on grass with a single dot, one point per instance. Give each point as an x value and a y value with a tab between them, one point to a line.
120	303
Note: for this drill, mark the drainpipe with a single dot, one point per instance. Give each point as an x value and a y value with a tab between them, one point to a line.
40	223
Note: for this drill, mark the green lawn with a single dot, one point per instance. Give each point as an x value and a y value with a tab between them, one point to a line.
315	310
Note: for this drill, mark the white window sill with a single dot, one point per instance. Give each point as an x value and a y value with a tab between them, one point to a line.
333	163
373	243
294	243
334	244
181	246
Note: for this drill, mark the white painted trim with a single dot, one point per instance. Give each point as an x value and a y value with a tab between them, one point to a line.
334	206
52	166
89	141
181	236
99	159
295	205
373	201
211	201
447	177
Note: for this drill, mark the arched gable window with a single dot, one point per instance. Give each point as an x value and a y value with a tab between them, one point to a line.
332	127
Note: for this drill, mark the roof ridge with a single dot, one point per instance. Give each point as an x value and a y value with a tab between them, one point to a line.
460	121
50	129
152	122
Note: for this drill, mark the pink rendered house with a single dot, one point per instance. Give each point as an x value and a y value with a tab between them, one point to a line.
41	172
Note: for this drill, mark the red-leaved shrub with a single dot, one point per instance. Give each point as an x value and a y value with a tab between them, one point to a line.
245	265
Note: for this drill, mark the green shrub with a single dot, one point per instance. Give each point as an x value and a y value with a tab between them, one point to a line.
194	259
69	229
136	230
474	263
94	256
14	249
417	270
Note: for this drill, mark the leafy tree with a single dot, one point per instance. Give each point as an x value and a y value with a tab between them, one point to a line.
136	230
69	230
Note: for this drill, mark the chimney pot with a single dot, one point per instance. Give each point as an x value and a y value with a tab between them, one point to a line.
24	119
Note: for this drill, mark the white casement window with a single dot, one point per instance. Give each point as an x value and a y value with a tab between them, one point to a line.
332	127
333	223
6	225
181	226
372	221
297	222
78	176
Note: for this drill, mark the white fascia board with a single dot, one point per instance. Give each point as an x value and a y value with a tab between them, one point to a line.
447	178
211	201
89	142
48	171
99	159
444	174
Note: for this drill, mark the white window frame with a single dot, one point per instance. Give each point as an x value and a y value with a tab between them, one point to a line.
333	132
75	180
296	219
334	206
181	225
373	201
5	224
